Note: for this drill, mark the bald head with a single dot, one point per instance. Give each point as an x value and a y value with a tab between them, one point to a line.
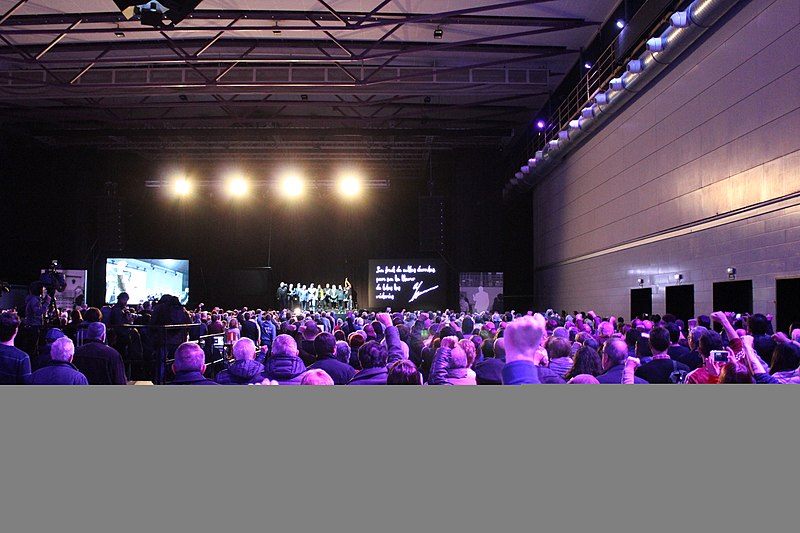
615	351
244	349
62	349
189	357
523	337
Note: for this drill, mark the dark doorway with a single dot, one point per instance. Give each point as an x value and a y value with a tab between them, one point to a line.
787	307
641	302
734	296
680	301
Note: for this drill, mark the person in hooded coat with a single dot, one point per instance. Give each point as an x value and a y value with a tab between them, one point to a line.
245	369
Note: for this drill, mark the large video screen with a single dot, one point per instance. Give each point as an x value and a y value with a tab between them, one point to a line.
147	279
407	284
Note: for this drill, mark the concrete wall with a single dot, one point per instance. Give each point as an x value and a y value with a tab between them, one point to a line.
700	172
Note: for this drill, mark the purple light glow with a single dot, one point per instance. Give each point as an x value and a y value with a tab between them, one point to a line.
540	125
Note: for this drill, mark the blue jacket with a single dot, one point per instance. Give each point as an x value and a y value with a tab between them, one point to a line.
285	369
520	372
58	373
192	378
339	372
268	332
15	366
241	373
371	376
613	376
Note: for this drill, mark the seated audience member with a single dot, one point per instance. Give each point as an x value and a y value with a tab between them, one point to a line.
403	372
676	350
523	338
325	348
559	350
615	352
284	364
59	369
245	369
587	361
15	365
449	366
101	364
372	356
190	365
662	368
44	350
316	376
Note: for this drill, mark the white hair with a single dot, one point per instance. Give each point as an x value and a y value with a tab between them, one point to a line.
62	349
244	349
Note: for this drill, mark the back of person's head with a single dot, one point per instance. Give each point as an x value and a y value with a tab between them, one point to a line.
340	336
757	325
189	357
558	348
500	348
342	351
404	372
669	318
605	329
469	349
615	351
404	332
96	331
587	361
62	349
285	345
9	324
659	339
356	340
487	348
123	298
93	314
325	345
704	321
316	376
244	349
643	348
458	358
584	379
735	372
674	332
785	357
710	340
233	323
372	355
632	336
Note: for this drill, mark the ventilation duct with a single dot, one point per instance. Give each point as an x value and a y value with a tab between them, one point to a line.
684	29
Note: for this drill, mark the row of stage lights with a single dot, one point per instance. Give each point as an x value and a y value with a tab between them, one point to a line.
237	187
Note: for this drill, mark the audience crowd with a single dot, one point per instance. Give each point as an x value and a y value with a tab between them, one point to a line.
117	344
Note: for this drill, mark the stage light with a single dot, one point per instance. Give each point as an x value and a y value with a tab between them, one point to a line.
237	187
182	187
438	33
350	186
540	125
620	23
587	65
292	186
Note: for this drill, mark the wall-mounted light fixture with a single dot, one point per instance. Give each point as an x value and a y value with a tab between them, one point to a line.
678	278
640	281
731	273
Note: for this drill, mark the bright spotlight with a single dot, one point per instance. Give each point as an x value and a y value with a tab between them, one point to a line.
350	186
292	186
620	23
182	187
237	187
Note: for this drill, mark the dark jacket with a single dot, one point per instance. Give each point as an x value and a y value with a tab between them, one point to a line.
339	372
613	376
443	372
371	376
521	372
489	371
15	366
659	370
285	369
241	373
58	373
101	364
252	331
307	353
192	378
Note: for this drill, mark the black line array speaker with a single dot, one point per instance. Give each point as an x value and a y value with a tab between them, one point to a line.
431	224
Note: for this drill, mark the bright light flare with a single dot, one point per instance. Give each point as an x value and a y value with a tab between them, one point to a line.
292	186
350	186
182	187
237	187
